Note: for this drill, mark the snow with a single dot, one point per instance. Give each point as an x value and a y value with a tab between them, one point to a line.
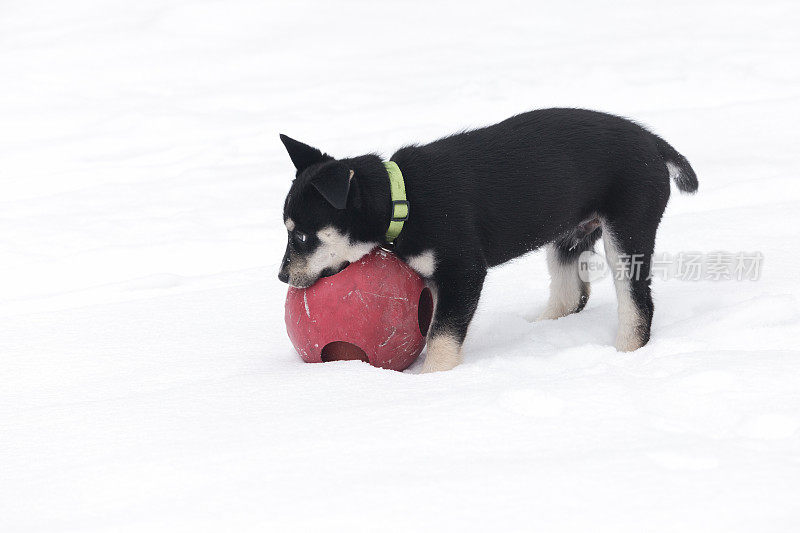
147	380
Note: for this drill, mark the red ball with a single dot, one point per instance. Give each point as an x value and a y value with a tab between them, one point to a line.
376	310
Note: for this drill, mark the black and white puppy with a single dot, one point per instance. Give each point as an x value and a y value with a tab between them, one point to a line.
558	178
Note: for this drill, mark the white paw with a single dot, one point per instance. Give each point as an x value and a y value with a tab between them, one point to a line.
628	342
444	353
437	366
551	314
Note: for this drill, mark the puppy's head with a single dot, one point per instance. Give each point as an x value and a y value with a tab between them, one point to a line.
318	214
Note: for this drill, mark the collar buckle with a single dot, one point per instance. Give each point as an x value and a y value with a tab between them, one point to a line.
396	217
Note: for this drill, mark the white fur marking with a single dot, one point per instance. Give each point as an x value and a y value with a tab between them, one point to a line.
289	224
680	178
565	287
424	263
444	353
628	329
674	171
334	250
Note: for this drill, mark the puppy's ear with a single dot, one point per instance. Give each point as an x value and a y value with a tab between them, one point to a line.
303	155
333	183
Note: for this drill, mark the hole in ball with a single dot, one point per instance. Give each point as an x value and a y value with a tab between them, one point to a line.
343	351
425	310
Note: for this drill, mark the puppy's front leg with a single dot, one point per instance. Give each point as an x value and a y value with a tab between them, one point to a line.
458	288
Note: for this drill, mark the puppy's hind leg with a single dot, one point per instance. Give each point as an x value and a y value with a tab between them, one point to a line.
568	292
629	252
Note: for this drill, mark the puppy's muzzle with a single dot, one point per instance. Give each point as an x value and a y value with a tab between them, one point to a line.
283	273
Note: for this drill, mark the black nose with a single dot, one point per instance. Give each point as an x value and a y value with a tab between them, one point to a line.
283	276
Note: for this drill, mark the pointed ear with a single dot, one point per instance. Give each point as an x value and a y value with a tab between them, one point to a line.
333	183
303	155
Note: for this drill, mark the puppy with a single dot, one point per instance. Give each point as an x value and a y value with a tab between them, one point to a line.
558	178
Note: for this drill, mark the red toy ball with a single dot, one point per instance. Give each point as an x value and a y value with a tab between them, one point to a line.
376	310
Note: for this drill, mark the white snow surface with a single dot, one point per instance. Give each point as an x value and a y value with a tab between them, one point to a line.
146	379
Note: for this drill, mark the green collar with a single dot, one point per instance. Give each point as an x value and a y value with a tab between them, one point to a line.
400	207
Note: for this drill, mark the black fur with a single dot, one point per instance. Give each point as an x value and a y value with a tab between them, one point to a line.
482	197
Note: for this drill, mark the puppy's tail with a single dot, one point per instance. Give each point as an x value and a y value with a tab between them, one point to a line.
678	166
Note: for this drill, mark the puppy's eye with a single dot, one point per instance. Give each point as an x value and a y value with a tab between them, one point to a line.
300	236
